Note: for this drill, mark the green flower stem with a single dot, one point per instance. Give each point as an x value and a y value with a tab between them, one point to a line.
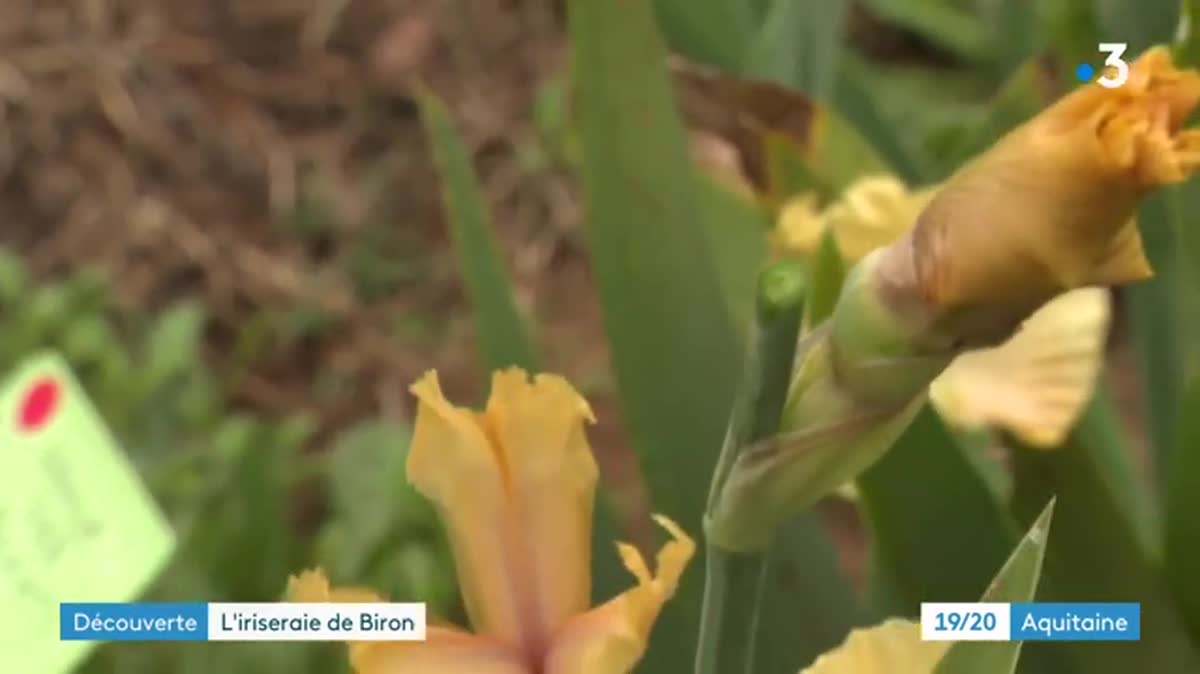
733	590
734	582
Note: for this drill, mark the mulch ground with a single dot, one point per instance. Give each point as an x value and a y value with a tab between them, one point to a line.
266	158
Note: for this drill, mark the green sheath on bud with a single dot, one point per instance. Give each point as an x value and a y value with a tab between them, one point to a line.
858	381
780	306
884	348
828	437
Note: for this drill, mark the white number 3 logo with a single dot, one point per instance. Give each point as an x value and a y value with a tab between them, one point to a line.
1114	51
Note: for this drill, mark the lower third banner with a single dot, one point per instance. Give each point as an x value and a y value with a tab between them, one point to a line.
241	622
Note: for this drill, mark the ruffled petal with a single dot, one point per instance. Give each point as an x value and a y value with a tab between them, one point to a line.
892	647
538	426
1036	384
454	463
611	638
444	651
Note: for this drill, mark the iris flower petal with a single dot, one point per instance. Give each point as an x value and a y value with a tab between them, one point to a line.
874	212
799	228
515	487
611	638
891	647
444	651
1124	261
454	463
1036	384
538	426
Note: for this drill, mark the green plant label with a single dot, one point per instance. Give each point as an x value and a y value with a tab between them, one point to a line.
76	523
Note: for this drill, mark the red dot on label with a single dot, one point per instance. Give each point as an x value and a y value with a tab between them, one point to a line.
39	405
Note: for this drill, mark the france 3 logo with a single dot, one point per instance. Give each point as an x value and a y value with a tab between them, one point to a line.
1115	67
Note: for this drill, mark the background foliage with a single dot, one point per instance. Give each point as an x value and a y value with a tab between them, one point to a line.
250	339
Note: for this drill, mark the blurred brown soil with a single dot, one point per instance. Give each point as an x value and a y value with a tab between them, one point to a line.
265	157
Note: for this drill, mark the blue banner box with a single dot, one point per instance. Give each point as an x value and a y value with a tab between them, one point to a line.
1076	622
133	622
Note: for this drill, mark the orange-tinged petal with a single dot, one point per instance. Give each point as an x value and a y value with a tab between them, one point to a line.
611	638
538	425
1049	207
454	463
515	487
444	651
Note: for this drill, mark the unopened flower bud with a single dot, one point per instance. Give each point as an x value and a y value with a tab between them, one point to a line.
1050	207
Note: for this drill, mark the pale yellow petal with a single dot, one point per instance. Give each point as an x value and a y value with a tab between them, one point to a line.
871	213
1036	384
874	212
444	651
799	229
611	638
453	462
892	647
539	426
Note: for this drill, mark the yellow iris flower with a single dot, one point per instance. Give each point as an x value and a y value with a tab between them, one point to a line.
515	486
